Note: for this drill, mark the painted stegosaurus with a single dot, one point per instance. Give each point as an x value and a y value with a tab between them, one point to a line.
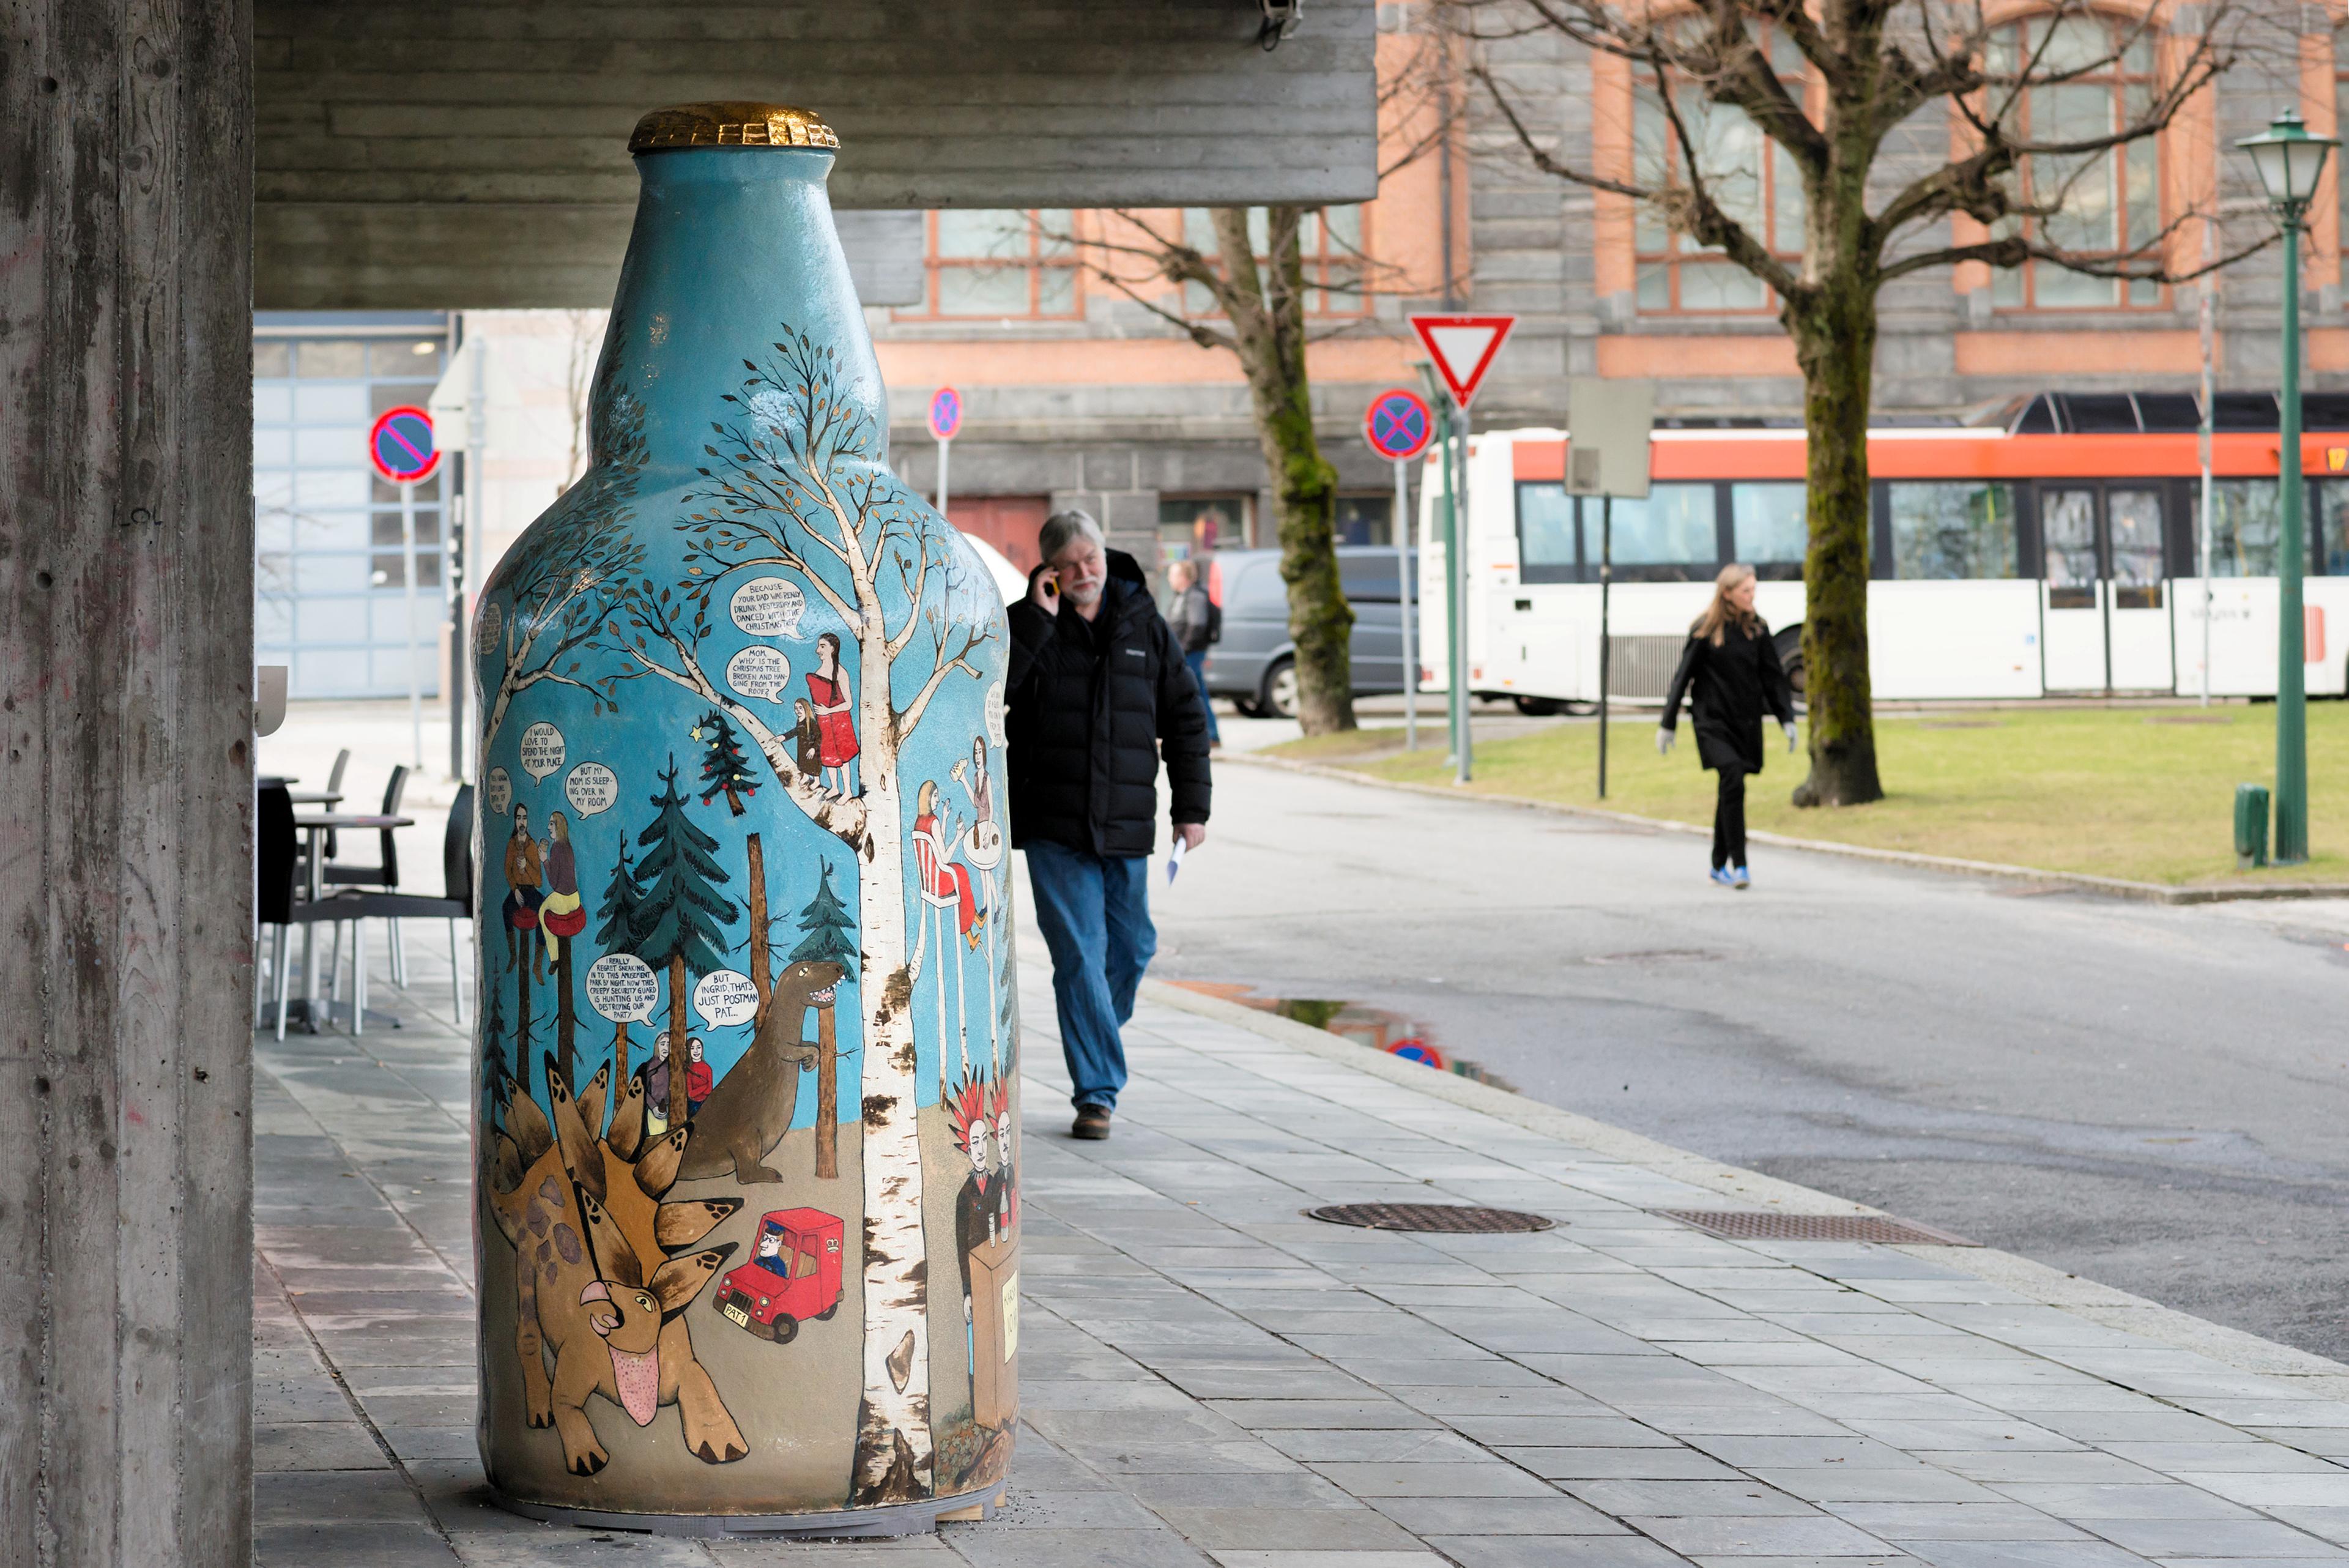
594	1280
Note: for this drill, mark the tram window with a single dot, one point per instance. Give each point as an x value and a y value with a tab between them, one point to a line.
2333	525
2244	525
1767	523
1672	536
1545	534
1944	531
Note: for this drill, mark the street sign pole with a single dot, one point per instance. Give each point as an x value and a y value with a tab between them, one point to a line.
408	579
1606	652
944	448
1398	424
1451	587
1403	533
1456	561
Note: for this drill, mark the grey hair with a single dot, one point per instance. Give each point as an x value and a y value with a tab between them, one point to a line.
1061	527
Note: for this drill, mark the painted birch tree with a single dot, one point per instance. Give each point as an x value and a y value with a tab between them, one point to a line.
796	485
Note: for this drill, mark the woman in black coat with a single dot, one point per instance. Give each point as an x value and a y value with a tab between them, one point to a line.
1734	667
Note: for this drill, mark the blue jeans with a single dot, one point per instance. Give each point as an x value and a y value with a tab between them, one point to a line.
1198	666
1095	915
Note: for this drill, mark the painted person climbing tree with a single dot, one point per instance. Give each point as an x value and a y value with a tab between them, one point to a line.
796	484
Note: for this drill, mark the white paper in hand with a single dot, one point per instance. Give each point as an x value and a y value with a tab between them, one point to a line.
1175	860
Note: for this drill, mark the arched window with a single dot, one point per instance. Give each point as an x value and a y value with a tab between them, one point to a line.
1749	176
2107	200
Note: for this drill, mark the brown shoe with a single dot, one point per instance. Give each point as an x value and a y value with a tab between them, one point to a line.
1092	1123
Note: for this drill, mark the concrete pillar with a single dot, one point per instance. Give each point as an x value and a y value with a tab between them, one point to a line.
126	869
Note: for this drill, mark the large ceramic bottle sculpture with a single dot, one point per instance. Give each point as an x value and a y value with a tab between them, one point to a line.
746	1221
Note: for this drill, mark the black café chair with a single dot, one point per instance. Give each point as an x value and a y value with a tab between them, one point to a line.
278	877
456	867
330	796
386	873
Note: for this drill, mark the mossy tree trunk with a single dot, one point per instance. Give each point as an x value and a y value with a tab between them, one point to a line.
1267	316
1835	343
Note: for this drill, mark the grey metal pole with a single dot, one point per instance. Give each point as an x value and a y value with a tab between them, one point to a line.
408	595
1606	587
943	447
1459	568
1405	533
2209	395
2292	548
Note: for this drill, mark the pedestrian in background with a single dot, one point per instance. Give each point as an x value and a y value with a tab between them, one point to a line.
1098	689
1732	667
1195	621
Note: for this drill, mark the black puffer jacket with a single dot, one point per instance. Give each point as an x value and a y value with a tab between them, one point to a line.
1089	706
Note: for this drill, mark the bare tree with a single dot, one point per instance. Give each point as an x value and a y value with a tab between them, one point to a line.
1828	85
1243	286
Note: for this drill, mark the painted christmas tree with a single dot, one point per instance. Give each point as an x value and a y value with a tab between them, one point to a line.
679	924
724	769
617	934
829	927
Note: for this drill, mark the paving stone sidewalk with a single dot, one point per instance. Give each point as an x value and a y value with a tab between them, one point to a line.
1208	1376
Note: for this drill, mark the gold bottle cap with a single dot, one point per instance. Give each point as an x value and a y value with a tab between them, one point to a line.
730	124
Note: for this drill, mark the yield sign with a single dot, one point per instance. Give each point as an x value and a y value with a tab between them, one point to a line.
1463	348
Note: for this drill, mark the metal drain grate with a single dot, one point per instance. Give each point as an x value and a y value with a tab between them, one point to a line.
1450	1218
1762	1225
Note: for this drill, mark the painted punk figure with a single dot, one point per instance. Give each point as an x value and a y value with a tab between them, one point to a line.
834	715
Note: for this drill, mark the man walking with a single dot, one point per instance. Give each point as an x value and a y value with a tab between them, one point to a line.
1195	619
1098	688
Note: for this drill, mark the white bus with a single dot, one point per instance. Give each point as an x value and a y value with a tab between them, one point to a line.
2055	554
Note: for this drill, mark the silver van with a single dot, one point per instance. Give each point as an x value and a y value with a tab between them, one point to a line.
1254	663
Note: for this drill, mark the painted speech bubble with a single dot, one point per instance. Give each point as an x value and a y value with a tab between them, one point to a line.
541	749
621	987
591	787
769	606
497	792
995	713
725	999
758	671
486	630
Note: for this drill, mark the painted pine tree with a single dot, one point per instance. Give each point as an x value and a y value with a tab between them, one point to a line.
724	769
828	924
617	934
679	924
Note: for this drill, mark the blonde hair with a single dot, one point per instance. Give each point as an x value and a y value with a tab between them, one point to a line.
1713	625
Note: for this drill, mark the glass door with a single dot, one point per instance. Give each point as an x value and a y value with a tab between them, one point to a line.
2105	621
2072	623
2139	603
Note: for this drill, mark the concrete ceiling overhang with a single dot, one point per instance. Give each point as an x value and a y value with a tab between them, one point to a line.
424	156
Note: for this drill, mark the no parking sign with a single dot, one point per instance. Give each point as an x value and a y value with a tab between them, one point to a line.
1398	424
401	446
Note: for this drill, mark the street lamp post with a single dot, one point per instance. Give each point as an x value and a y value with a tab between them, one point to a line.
2289	161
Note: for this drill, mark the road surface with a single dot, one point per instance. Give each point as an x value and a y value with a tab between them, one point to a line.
2148	1097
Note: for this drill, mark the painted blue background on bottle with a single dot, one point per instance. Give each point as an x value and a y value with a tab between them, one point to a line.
734	252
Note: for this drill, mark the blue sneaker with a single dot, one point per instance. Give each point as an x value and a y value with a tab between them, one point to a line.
1740	879
1720	874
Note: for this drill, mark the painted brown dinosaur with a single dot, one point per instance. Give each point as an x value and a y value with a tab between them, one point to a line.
748	1113
581	1201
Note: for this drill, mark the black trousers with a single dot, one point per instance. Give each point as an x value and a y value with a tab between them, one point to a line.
1729	820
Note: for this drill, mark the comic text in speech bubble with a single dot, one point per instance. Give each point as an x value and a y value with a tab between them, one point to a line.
497	792
769	606
995	713
487	629
725	997
621	987
591	787
541	749
758	671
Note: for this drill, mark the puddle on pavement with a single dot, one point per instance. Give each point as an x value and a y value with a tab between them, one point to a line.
1373	1028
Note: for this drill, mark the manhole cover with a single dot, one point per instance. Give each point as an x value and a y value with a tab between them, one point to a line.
1762	1225
1657	955
1453	1219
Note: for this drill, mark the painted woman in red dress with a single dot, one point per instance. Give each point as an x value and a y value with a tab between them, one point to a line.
835	714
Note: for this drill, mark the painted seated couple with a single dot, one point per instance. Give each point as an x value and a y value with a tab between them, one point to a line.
542	891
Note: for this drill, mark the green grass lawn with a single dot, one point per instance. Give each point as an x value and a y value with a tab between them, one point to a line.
2145	795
